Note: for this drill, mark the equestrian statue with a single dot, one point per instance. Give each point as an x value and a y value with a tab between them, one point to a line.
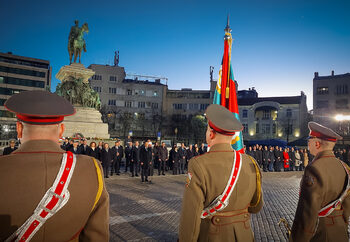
76	42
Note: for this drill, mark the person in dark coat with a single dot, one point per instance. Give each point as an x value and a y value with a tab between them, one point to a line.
170	160
135	159
99	149
249	151
8	150
156	155
118	153
128	155
75	149
271	159
84	148
106	158
93	151
146	160
259	156
189	155
202	149
292	159
65	144
162	157
265	158
182	156
176	161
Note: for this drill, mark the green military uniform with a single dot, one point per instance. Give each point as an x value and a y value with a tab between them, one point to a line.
30	171
323	182
208	176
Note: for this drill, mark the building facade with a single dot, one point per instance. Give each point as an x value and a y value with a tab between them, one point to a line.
18	73
331	102
128	105
272	117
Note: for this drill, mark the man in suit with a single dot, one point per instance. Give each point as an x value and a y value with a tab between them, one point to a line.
84	148
128	155
75	149
118	153
51	183
182	155
145	160
8	150
162	157
208	213
106	158
324	204
135	160
65	144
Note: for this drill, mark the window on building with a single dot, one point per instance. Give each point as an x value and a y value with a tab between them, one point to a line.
245	128
245	113
257	128
112	102
22	71
274	128
322	90
155	93
204	106
193	106
322	104
21	82
289	113
289	129
112	78
142	92
112	90
141	104
265	128
129	92
341	104
266	114
128	104
97	77
179	106
155	105
97	89
342	89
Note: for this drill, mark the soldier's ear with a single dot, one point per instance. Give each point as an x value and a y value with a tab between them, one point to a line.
19	128
62	127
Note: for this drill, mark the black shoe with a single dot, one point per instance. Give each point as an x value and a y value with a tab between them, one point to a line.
118	174
136	175
158	174
142	181
106	176
146	180
132	175
163	174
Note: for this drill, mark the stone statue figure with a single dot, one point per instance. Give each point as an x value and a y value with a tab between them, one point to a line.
79	93
76	42
116	58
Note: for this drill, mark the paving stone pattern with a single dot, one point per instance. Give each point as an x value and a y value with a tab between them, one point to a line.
151	212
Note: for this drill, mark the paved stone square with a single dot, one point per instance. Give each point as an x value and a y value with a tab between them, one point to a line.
151	212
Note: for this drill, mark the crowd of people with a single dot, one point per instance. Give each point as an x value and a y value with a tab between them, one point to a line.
140	159
277	158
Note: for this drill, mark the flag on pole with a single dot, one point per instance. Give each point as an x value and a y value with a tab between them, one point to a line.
225	93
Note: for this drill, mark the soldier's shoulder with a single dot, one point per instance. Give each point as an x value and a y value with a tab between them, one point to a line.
250	162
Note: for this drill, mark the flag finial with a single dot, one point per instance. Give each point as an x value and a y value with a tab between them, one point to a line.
227	29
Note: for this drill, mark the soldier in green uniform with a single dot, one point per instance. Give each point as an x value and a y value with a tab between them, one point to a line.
324	207
223	186
55	196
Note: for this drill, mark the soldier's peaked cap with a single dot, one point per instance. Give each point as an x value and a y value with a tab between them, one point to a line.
322	132
222	120
39	107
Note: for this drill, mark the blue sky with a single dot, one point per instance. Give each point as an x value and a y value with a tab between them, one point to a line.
278	45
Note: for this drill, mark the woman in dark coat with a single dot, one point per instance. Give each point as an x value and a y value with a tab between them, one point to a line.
176	160
93	151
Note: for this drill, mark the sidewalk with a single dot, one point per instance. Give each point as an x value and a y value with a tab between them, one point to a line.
150	212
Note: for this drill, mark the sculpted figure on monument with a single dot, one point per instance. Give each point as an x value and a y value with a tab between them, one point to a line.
79	93
76	42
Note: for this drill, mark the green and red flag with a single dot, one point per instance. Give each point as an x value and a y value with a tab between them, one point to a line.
226	92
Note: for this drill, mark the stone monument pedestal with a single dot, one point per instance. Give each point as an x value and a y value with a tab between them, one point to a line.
86	121
74	71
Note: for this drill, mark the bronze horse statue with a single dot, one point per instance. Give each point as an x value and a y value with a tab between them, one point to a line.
76	42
